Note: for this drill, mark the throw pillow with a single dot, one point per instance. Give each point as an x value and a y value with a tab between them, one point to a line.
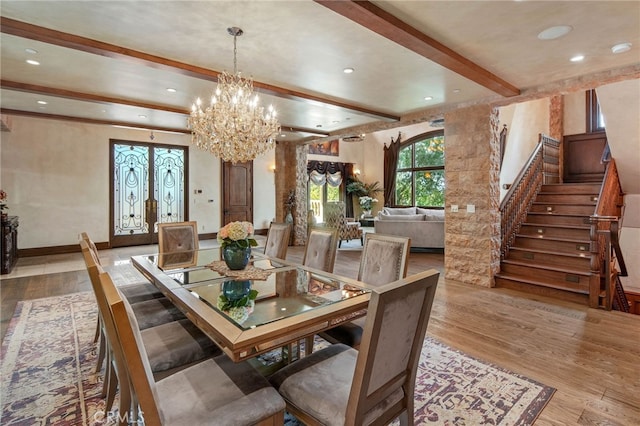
399	210
402	217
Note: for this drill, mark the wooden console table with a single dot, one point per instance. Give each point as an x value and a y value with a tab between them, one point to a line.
9	244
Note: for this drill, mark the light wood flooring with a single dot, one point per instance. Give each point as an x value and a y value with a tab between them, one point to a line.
592	357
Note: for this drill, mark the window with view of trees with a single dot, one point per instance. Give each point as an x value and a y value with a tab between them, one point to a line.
420	171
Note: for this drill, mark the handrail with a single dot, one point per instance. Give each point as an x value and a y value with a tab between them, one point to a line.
604	234
541	167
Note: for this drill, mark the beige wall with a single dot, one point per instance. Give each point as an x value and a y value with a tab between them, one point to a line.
56	176
526	121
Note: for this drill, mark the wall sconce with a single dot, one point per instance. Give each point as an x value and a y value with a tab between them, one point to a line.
356	172
272	168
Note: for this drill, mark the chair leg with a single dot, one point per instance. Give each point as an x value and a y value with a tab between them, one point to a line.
125	408
105	380
98	329
112	388
339	243
102	348
362	241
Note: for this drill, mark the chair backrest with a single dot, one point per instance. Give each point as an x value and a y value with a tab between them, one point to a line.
385	259
85	237
131	347
177	236
320	251
277	240
388	357
106	318
334	216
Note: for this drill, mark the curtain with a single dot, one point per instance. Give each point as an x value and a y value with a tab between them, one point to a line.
390	167
334	174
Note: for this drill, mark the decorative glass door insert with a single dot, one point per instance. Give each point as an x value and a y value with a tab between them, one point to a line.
148	187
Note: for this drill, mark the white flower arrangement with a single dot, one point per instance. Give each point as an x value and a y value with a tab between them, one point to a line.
367	202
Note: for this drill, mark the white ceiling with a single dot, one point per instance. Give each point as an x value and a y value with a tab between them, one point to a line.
298	47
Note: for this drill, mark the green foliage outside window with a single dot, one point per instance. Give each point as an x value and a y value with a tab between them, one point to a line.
420	175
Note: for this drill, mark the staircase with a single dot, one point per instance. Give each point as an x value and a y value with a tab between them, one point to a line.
550	254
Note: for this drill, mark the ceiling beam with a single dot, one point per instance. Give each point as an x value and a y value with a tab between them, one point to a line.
72	41
106	100
381	22
80	96
89	120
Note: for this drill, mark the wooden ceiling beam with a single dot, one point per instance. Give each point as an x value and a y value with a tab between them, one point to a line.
80	96
381	22
89	120
72	41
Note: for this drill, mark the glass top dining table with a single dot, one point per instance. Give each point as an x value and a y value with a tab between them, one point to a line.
293	302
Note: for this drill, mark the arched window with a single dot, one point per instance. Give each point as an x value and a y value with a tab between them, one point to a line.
420	171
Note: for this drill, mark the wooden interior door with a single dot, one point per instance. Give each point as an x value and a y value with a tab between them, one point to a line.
237	192
582	157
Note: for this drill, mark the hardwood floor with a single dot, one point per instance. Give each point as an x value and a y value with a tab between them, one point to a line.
592	357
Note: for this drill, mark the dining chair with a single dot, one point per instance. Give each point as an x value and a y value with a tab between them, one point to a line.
214	391
169	345
138	291
339	385
177	236
348	228
277	240
320	251
384	259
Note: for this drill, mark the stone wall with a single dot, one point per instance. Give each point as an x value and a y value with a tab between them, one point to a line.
472	240
291	174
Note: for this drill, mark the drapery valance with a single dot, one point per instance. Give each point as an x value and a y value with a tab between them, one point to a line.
333	174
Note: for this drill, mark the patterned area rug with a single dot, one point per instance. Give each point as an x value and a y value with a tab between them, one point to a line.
48	358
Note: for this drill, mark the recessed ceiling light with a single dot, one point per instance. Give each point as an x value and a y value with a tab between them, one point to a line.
577	58
32	62
282	135
171	90
348	70
428	98
31	51
456	90
318	125
621	48
43	102
142	116
335	121
553	33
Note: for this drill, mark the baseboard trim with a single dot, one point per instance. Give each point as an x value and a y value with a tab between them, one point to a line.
75	248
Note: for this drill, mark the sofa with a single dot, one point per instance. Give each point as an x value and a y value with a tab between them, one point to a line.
425	227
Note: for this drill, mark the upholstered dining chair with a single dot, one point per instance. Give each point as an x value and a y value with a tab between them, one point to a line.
320	251
384	259
339	385
135	292
277	240
169	345
215	390
348	228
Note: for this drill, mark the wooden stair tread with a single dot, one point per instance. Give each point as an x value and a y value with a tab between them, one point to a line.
564	240
554	225
557	214
548	267
553	253
555	203
527	280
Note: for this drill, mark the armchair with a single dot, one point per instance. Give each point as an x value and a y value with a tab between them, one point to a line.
348	228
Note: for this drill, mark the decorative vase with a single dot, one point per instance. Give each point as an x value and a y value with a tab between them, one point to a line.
236	257
236	290
366	213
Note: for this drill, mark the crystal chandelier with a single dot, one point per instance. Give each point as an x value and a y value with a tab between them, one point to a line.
233	127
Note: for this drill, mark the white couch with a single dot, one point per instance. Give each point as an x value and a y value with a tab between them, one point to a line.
425	227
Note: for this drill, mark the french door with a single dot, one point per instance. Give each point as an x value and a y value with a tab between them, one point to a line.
148	185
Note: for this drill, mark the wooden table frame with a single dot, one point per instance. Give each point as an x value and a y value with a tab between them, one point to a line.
240	344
